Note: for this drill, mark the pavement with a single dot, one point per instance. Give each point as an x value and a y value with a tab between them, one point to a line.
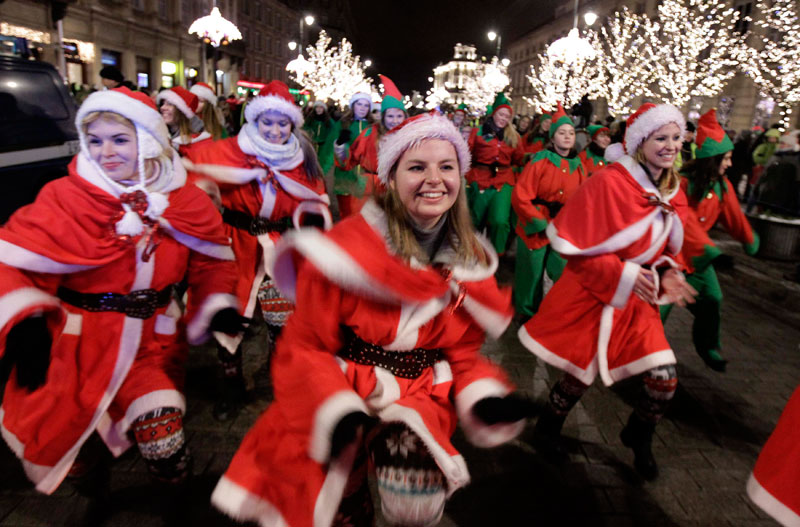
706	445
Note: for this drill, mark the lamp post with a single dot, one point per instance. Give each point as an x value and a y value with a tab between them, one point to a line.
306	20
215	30
572	48
492	35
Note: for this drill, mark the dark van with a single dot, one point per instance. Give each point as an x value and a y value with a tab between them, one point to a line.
37	130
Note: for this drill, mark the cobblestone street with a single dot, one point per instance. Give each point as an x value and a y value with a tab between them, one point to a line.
706	445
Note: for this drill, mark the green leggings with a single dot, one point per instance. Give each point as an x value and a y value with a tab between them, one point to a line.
529	269
706	310
491	208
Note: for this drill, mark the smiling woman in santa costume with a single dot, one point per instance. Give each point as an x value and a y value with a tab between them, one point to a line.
270	181
382	352
361	156
621	233
86	277
178	107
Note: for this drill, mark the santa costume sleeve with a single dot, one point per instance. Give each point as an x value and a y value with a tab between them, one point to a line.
533	218
25	293
735	222
356	153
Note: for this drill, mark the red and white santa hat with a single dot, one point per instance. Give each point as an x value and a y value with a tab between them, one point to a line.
274	96
411	133
361	96
181	98
205	92
644	121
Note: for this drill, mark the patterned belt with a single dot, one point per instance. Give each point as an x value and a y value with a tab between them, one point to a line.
255	225
406	364
136	304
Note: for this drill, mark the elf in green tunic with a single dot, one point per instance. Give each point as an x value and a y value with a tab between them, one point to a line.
318	125
713	200
546	183
347	185
592	156
495	147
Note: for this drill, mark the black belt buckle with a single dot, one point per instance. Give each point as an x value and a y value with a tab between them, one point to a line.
139	304
258	226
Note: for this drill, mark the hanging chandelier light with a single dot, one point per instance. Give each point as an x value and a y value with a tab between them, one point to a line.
572	48
214	29
300	66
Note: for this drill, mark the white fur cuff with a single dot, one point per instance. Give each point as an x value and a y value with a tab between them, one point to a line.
479	433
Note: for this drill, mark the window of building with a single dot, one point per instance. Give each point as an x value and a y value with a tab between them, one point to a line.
187	12
258	70
257	10
744	10
246	8
111	58
138	5
268	44
257	43
268	71
163	10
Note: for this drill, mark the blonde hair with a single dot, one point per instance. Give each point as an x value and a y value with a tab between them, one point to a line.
184	126
670	179
510	135
106	116
460	232
211	122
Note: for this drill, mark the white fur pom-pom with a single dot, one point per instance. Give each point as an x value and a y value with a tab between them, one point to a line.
130	224
614	152
157	203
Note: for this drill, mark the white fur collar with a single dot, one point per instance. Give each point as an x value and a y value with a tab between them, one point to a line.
640	176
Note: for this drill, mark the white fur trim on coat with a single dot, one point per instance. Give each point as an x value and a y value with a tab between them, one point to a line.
649	122
479	433
242	505
627	279
264	103
393	144
176	100
197	329
16	256
770	504
312	207
24	299
327	416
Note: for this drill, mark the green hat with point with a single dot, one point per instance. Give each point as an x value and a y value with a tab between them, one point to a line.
560	118
711	139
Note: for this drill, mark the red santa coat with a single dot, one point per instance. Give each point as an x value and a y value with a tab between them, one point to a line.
775	480
716	206
363	152
66	238
549	177
282	474
185	148
248	185
590	322
493	152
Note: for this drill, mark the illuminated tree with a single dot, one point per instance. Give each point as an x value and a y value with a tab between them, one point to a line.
481	88
555	81
332	72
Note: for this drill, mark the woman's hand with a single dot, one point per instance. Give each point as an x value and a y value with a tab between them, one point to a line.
677	289
645	286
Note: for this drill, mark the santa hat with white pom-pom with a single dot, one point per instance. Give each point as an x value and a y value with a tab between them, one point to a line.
152	140
644	121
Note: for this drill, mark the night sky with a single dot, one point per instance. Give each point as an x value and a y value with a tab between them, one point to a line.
406	40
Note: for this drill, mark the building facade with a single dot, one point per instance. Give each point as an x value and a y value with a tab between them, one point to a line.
739	105
452	76
267	27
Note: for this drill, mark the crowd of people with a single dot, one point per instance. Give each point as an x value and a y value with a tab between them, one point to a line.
179	223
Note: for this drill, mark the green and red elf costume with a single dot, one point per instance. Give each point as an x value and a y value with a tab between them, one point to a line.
318	127
714	203
593	156
361	156
536	139
491	178
348	185
546	183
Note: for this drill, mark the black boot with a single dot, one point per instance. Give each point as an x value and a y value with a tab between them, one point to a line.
638	435
233	390
713	360
547	436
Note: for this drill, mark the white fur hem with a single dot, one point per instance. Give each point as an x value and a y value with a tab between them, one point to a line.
586	376
312	207
214	250
630	271
242	505
770	504
477	432
15	256
24	299
327	416
197	329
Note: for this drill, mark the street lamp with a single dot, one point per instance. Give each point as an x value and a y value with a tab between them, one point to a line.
292	45
505	62
492	35
215	30
308	20
367	63
572	48
590	18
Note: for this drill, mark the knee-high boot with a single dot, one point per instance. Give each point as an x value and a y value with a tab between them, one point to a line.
638	435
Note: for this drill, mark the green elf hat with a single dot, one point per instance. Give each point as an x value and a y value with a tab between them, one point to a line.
500	101
711	139
560	118
595	129
546	115
392	98
462	108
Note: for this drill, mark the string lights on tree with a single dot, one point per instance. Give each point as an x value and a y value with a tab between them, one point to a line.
692	48
481	88
624	71
554	80
775	68
331	72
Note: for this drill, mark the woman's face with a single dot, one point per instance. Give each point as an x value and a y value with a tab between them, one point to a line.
168	112
427	181
524	123
501	117
603	140
274	127
546	125
726	163
564	138
200	105
361	109
392	117
113	146
663	145
319	110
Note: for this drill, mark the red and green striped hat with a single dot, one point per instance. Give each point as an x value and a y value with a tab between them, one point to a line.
501	101
711	139
560	118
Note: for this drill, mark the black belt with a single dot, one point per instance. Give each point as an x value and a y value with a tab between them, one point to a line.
255	225
553	206
407	364
492	168
137	304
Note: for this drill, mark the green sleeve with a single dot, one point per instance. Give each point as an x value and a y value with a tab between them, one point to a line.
326	150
